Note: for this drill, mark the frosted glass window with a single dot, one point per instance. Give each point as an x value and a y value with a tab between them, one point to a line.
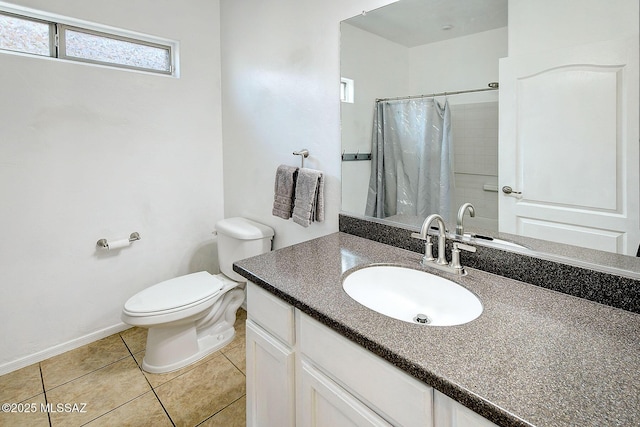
38	33
25	35
101	48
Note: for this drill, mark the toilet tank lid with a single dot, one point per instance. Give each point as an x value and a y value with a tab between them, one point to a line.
243	229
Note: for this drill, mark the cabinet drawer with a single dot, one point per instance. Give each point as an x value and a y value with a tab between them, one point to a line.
398	397
270	312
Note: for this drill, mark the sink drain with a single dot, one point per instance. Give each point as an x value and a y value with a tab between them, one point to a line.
422	318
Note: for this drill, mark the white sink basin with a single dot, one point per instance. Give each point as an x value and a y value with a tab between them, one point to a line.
407	294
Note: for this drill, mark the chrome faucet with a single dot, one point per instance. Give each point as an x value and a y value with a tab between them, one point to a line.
441	263
461	211
424	235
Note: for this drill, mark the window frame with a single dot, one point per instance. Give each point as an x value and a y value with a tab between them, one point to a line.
57	48
62	48
52	33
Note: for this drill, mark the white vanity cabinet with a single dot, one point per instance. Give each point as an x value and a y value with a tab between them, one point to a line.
270	360
449	413
323	403
302	373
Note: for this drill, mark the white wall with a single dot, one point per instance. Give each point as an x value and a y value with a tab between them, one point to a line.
541	25
281	77
461	63
380	69
88	153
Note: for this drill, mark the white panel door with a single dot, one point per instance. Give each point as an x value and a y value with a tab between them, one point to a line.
569	146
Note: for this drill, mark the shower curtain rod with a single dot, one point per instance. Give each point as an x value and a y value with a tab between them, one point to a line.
492	86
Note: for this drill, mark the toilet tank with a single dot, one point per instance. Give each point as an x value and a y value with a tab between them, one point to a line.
240	238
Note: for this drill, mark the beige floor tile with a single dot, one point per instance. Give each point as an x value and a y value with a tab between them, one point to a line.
135	339
19	385
142	411
237	356
31	413
202	391
157	380
101	390
234	415
83	360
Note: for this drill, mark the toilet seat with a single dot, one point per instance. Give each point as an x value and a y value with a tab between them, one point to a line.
178	294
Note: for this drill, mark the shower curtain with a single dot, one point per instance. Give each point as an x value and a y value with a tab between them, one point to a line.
412	160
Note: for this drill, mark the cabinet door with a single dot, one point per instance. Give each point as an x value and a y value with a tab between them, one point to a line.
449	413
322	403
384	388
270	380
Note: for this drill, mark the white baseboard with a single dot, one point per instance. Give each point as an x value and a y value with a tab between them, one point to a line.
61	348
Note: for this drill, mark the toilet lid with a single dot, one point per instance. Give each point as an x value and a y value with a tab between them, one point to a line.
175	293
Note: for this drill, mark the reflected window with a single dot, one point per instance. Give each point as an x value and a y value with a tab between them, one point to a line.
346	90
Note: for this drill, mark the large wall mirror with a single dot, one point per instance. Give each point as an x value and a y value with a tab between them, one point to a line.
549	159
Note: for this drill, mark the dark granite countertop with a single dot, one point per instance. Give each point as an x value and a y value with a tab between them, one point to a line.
535	357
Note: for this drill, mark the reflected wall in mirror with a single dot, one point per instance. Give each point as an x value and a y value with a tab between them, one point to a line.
562	129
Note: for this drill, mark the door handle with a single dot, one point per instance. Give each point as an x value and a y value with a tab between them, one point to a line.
508	190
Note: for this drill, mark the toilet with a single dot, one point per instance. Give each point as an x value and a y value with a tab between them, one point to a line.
191	316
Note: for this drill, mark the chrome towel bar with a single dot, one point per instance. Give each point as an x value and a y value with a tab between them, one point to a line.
304	153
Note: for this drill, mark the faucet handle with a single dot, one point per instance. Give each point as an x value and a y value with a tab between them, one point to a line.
418	236
464	247
455	257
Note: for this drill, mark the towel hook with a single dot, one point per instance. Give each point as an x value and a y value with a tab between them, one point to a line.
304	153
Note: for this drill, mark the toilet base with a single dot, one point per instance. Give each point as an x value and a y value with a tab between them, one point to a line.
164	355
174	346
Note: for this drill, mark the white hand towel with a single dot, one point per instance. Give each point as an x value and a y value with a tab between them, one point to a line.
284	191
309	201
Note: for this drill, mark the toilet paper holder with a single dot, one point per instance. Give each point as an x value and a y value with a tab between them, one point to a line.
104	243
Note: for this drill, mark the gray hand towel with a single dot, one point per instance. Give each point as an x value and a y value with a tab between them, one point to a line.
284	191
309	201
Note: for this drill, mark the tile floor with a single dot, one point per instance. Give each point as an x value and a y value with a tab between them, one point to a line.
105	375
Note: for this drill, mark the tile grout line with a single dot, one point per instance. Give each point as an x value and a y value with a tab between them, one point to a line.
153	390
119	360
213	415
84	375
44	391
234	365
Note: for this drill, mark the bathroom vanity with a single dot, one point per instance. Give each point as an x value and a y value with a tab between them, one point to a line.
534	357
